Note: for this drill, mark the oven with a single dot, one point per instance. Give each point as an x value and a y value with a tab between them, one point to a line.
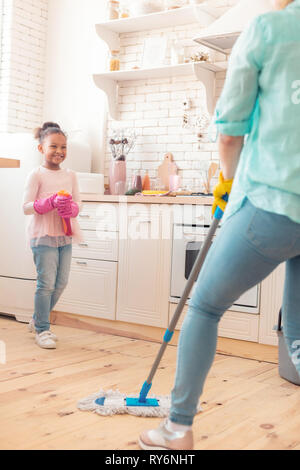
187	241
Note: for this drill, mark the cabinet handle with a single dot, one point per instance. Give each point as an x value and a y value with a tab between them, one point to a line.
143	221
83	244
84	216
84	263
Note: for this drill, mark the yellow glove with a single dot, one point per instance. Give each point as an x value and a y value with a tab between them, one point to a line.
223	187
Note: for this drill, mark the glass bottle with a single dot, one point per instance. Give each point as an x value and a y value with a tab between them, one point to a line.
146	182
177	53
114	62
113	9
137	181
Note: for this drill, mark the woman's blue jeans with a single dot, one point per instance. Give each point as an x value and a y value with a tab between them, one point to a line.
53	267
249	246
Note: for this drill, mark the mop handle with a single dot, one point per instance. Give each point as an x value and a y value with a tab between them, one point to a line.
192	278
188	287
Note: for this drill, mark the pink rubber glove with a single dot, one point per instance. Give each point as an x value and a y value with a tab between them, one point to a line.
42	206
75	209
67	209
61	200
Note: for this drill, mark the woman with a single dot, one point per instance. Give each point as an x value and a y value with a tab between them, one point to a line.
261	228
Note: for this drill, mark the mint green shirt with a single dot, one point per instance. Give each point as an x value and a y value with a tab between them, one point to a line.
261	98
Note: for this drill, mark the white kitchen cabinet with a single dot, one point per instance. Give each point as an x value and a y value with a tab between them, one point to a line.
91	290
92	286
99	217
17	297
144	278
271	302
102	246
237	325
122	271
246	326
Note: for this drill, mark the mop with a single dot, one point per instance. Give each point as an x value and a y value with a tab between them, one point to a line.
110	402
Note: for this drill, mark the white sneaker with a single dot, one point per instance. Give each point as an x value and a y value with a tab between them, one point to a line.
44	340
31	328
163	439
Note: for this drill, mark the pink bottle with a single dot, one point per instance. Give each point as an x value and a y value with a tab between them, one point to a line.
66	220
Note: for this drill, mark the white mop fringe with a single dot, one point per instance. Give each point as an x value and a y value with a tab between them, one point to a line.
115	404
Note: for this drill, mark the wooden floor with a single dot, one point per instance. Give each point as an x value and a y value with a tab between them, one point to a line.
246	405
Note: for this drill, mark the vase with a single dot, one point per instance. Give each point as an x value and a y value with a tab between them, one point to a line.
117	177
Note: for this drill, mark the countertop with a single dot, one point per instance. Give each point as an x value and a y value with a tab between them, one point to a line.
201	200
9	163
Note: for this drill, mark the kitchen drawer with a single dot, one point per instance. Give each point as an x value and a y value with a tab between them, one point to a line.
234	325
91	289
97	245
203	215
96	216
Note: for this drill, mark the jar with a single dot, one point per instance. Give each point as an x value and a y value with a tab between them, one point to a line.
114	62
124	11
173	4
136	182
145	7
113	9
177	53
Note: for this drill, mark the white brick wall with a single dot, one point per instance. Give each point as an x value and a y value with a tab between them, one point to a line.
23	64
154	108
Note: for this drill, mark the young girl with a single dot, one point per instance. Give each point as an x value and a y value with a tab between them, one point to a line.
52	249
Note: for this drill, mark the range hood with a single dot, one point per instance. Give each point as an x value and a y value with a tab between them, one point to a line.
223	33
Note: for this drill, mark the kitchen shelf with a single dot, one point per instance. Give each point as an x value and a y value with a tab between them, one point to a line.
202	14
204	71
159	72
9	163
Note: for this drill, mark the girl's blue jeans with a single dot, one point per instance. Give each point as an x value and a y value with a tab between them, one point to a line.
249	246
53	267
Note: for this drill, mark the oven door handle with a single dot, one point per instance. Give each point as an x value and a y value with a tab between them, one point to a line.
190	239
194	238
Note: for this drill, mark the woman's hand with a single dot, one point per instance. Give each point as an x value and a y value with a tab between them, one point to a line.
223	187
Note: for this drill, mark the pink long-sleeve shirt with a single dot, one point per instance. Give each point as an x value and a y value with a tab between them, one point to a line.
47	229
